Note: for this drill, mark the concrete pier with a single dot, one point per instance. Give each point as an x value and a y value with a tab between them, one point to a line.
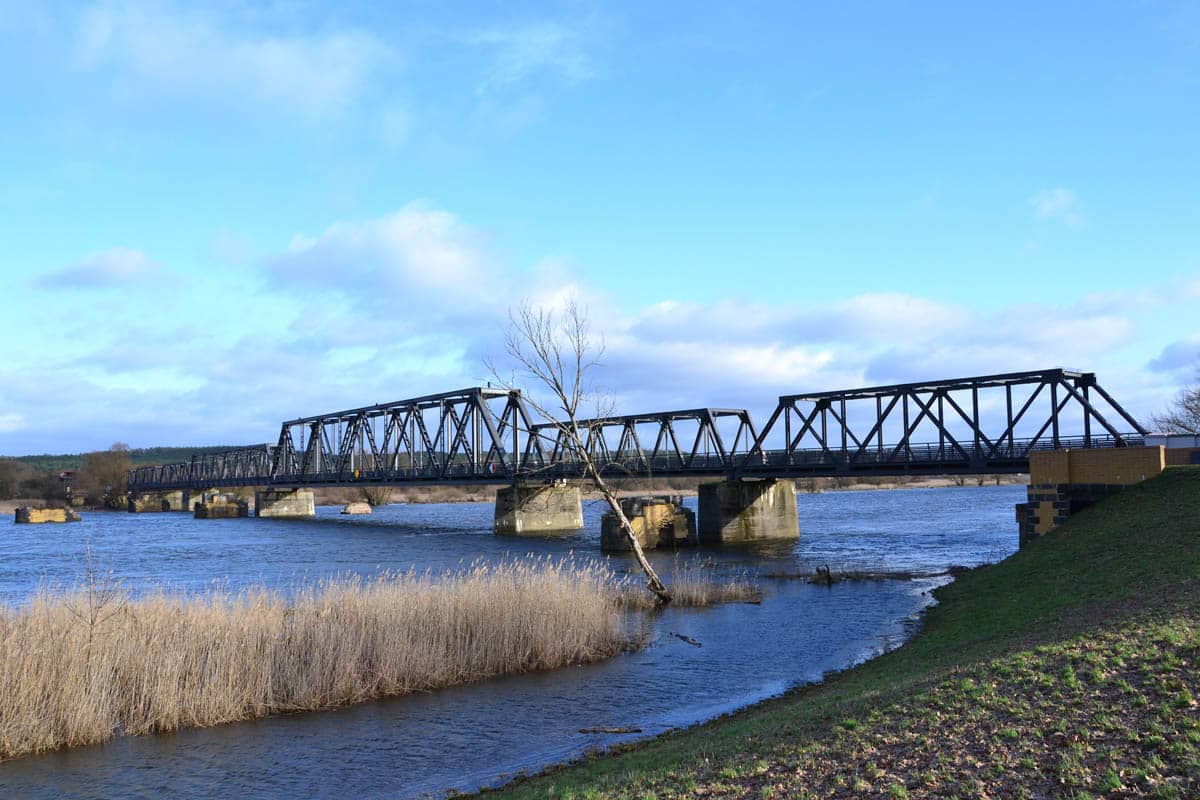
221	508
657	522
146	504
737	512
175	501
26	515
285	503
529	510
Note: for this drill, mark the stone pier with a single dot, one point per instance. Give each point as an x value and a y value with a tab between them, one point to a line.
220	507
285	503
26	515
529	510
737	512
146	504
658	523
1062	482
175	501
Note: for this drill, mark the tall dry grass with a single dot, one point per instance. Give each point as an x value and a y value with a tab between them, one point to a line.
80	667
695	584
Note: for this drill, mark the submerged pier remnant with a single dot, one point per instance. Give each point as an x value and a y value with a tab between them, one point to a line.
657	522
219	506
27	515
525	509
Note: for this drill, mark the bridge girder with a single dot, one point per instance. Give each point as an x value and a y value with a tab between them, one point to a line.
484	435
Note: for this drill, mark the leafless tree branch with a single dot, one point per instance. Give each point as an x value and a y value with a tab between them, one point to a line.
558	352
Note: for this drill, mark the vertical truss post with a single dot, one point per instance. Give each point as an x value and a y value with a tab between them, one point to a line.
1087	417
1054	413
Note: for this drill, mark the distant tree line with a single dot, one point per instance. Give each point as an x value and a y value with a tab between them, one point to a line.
99	479
138	456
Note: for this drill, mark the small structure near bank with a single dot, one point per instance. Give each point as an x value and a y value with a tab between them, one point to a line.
27	515
658	522
357	507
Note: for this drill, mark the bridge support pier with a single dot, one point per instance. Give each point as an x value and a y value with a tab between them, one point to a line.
1062	482
741	511
175	501
147	503
527	510
658	523
220	507
285	503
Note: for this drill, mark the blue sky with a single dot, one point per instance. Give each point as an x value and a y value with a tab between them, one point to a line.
213	218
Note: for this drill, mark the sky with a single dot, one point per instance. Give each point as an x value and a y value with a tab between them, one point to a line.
214	217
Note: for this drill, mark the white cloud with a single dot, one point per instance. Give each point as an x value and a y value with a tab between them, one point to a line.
117	266
411	302
190	51
418	262
1059	205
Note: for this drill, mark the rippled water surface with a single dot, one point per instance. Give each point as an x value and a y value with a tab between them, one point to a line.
470	736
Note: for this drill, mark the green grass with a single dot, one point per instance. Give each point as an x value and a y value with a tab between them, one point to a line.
1022	682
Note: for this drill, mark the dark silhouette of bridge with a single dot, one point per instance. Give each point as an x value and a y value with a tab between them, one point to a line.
978	425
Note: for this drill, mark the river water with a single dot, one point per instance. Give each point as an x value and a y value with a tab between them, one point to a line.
471	736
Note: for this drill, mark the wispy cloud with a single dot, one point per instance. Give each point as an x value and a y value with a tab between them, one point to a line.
114	267
522	51
1059	205
189	51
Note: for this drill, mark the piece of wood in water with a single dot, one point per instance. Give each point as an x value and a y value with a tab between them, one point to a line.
687	639
602	729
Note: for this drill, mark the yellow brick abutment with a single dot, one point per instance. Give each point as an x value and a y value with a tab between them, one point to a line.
1062	482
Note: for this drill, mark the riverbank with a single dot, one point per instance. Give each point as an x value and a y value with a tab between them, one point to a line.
1066	670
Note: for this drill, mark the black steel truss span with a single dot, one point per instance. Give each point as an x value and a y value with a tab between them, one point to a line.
977	425
704	440
982	424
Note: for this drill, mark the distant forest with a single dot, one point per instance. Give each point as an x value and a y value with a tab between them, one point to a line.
139	456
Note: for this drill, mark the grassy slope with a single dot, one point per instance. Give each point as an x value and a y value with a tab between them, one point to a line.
985	688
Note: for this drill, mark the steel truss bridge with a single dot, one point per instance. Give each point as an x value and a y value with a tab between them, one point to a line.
979	425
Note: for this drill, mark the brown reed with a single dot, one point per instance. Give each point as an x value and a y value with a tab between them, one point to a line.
83	666
694	583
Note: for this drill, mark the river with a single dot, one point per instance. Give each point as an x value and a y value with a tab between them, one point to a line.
471	736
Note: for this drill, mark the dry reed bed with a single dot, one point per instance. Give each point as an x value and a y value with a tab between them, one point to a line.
694	584
82	667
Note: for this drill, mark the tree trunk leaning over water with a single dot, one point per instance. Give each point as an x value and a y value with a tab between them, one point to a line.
557	351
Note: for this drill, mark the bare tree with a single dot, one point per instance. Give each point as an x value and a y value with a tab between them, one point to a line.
558	352
102	477
1183	416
